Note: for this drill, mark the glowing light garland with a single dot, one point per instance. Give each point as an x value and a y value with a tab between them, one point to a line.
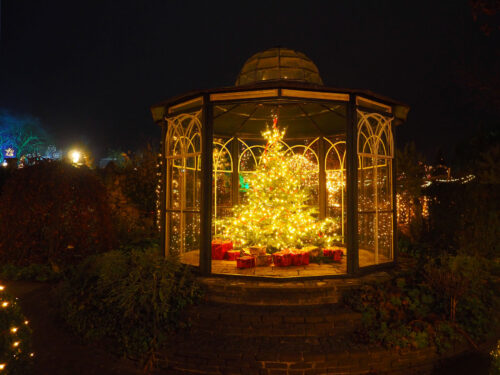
275	213
16	343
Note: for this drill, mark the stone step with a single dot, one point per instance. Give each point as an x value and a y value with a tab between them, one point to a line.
246	292
272	321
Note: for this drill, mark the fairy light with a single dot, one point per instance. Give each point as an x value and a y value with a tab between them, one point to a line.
16	346
276	211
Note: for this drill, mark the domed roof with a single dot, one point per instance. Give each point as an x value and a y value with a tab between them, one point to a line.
277	64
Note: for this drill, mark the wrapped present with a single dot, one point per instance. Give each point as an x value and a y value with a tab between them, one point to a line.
313	251
334	253
257	250
245	262
328	252
282	258
220	248
300	257
233	254
263	260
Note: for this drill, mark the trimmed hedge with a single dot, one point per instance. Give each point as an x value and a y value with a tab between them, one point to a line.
53	213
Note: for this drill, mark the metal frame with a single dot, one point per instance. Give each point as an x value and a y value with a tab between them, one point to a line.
288	93
374	138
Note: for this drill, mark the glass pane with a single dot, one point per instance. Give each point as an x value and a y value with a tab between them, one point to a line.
366	188
191	254
173	239
385	233
174	184
384	184
191	176
375	189
367	239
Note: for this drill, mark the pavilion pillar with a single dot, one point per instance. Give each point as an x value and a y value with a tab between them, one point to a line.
206	187
352	187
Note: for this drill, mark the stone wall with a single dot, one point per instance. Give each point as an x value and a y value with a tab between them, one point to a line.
282	328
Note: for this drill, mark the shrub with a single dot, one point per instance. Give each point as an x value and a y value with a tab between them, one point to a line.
132	187
133	299
15	337
53	213
453	298
31	272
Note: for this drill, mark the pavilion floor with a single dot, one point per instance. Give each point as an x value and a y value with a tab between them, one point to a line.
228	267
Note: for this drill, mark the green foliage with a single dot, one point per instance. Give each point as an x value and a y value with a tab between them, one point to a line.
15	337
131	186
453	297
31	272
53	213
132	299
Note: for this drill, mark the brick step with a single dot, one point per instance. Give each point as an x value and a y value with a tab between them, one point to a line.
282	293
188	353
272	321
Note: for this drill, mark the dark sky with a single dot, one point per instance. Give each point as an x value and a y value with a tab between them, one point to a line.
90	70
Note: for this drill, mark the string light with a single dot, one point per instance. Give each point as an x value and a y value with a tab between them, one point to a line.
275	212
16	345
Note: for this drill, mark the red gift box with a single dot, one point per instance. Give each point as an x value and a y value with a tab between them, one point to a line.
245	262
335	254
220	248
232	254
300	258
282	259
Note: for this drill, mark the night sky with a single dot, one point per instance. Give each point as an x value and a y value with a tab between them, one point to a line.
90	70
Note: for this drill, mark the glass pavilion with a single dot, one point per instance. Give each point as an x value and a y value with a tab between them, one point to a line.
211	139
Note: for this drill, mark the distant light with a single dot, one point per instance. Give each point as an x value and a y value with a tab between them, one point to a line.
75	156
4	164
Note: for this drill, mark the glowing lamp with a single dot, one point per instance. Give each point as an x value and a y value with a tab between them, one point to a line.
75	156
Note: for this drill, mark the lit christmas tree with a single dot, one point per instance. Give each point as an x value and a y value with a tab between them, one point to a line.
275	213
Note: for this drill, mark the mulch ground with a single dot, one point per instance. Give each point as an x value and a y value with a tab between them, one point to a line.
57	350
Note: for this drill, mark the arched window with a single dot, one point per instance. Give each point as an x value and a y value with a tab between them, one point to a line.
375	204
182	154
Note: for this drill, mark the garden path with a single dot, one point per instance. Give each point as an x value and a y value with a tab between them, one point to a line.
57	351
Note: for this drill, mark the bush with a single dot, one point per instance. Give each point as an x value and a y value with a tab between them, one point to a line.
132	186
32	272
453	298
15	337
133	299
53	213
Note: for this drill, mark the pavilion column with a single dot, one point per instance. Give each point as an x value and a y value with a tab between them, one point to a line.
352	187
206	188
